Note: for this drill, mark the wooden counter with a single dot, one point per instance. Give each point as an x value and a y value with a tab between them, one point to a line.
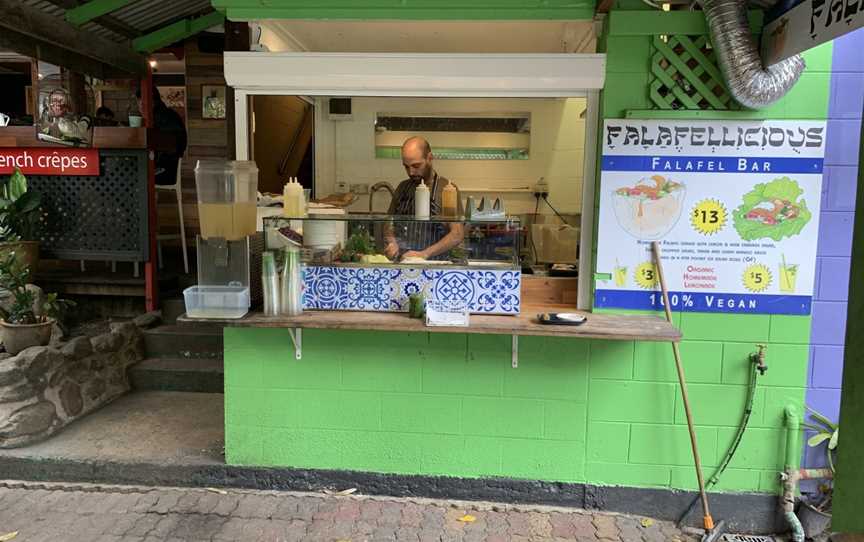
104	137
598	326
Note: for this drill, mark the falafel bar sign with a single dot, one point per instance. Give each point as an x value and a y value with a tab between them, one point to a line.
734	206
49	161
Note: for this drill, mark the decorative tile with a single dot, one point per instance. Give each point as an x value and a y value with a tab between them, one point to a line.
388	288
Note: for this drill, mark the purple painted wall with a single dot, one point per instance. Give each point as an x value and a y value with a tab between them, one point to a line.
835	231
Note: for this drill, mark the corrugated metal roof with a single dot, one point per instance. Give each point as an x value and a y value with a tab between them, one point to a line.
144	16
149	15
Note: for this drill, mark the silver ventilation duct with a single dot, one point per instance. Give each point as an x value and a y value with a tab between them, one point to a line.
751	84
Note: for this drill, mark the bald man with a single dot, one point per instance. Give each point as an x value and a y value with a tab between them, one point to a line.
421	240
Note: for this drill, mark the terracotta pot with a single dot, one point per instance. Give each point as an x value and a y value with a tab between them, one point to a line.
18	337
26	252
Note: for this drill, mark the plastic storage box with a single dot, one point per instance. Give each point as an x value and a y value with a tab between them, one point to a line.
217	301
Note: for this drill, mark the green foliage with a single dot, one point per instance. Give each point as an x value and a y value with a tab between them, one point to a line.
13	277
20	210
824	431
358	244
781	189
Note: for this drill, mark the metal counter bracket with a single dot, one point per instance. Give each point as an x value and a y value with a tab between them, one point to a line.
297	340
515	352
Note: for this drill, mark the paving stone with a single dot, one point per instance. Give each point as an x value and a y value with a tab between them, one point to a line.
606	527
116	514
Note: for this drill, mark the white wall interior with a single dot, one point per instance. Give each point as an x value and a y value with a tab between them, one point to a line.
345	150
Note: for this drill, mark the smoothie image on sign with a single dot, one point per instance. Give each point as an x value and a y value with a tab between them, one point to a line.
650	208
620	274
772	210
788	274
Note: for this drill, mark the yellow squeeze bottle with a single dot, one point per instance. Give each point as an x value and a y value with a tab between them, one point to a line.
449	200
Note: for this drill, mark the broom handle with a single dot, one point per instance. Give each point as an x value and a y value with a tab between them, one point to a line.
709	522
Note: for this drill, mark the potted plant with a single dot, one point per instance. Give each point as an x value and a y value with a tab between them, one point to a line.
25	322
815	512
20	221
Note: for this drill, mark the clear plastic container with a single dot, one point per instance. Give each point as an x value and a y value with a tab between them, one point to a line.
227	197
223	263
216	301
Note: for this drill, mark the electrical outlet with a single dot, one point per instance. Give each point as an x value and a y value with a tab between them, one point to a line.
341	187
360	188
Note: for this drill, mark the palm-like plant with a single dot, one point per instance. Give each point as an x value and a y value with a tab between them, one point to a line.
825	430
20	213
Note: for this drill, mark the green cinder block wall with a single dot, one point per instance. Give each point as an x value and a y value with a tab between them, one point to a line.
575	410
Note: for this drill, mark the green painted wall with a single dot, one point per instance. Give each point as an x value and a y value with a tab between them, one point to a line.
245	10
850	476
574	410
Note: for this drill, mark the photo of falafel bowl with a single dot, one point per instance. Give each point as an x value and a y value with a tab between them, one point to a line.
649	209
772	211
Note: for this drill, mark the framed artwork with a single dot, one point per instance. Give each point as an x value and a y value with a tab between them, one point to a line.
174	98
212	101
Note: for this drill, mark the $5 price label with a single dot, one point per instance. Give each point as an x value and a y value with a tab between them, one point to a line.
708	216
757	277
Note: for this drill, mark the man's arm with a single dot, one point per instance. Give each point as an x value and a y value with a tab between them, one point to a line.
452	239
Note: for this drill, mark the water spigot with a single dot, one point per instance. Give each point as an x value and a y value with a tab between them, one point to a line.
759	359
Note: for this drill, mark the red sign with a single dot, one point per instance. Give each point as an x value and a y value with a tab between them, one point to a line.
49	161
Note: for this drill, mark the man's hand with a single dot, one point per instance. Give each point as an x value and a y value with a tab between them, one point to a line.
391	250
415	254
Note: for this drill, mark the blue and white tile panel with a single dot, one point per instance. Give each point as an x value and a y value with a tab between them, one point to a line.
388	288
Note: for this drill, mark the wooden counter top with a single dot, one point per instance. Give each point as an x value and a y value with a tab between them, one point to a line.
104	137
598	326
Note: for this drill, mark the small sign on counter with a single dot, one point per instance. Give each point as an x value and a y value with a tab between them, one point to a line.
49	161
447	313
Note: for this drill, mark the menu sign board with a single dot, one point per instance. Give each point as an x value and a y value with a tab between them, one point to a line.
734	206
810	23
49	161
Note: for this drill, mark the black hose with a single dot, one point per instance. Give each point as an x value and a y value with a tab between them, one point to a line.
745	418
531	231
554	210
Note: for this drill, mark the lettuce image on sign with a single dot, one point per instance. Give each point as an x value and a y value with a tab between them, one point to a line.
772	210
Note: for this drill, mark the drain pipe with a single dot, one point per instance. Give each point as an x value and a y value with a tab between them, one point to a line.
791	473
751	84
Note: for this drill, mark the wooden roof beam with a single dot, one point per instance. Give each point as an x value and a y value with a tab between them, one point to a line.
29	28
176	32
111	23
93	9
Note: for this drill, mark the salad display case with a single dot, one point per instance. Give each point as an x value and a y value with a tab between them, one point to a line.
376	262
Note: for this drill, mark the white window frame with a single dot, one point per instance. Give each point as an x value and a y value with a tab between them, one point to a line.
431	75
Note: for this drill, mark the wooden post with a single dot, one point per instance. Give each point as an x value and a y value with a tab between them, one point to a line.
151	281
849	480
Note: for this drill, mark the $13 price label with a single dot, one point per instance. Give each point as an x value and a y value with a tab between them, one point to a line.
708	216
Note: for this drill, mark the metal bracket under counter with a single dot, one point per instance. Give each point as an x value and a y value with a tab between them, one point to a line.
297	340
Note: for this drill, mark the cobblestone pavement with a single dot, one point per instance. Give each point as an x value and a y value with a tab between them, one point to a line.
76	512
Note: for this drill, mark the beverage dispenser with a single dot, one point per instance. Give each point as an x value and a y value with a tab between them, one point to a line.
228	243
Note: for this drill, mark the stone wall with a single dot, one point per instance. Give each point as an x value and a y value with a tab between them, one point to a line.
44	388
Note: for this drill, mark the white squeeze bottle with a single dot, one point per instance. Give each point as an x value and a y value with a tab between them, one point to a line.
421	201
292	197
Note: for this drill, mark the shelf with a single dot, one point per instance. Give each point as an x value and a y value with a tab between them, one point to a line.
598	326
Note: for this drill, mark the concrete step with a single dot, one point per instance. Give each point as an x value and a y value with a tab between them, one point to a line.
203	375
184	342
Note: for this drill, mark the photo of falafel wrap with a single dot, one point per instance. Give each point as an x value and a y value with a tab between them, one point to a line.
649	209
772	210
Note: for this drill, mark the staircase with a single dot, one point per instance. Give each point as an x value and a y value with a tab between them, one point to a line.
180	358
